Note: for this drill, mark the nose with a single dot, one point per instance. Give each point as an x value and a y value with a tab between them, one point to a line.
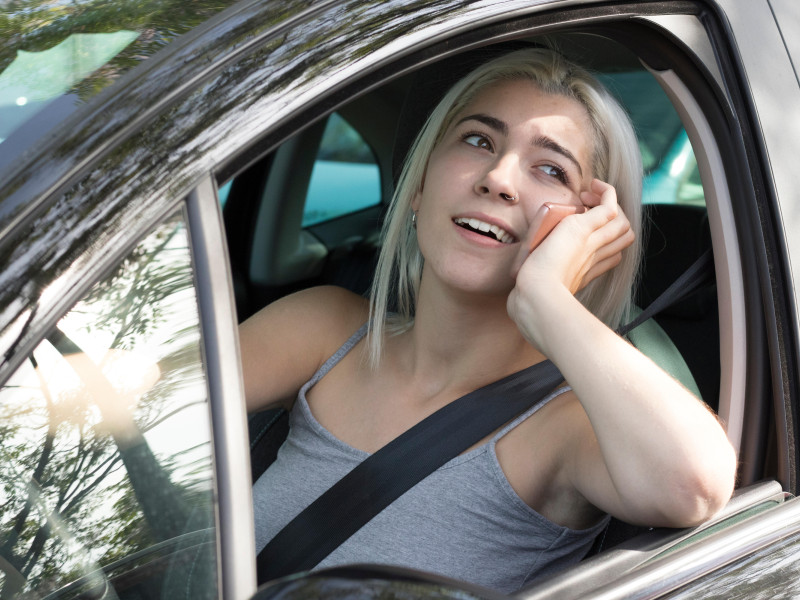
499	182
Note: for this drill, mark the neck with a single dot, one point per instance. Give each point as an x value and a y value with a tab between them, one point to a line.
462	340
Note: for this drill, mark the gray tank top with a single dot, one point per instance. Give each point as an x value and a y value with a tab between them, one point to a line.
463	521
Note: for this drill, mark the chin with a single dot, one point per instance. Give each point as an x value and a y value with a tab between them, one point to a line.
489	285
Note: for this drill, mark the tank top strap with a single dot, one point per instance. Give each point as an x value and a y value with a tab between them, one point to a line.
337	356
529	413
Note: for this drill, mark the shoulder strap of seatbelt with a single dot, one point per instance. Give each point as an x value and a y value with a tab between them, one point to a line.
388	473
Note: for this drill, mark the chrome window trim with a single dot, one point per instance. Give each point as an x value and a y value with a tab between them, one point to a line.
701	558
605	568
235	532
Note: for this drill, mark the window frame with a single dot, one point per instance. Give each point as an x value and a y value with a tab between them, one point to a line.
681	41
218	325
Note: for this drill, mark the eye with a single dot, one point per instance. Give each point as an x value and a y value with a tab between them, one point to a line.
556	172
478	140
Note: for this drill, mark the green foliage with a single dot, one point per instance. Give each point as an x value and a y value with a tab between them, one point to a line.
37	25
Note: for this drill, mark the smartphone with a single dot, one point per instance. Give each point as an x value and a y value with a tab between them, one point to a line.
549	215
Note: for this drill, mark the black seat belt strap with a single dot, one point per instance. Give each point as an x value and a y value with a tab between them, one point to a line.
394	469
388	473
689	282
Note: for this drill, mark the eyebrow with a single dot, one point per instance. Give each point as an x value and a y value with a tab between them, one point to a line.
492	122
541	141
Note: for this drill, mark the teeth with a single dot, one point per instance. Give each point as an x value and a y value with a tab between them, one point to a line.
478	225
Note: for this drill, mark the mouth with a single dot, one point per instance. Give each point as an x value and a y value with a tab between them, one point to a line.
481	227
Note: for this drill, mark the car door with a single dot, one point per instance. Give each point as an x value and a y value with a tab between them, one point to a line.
690	53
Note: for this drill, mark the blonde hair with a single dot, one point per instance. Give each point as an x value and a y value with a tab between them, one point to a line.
615	159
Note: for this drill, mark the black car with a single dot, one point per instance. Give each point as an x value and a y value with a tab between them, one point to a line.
168	168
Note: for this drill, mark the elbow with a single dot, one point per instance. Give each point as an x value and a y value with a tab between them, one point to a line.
701	492
696	507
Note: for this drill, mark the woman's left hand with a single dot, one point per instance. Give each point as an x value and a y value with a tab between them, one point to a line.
581	247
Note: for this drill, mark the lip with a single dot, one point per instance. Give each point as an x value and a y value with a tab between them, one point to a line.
486	219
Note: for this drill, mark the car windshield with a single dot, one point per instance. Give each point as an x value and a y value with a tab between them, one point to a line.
55	55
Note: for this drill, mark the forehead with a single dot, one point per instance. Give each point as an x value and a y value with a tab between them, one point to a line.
522	105
526	97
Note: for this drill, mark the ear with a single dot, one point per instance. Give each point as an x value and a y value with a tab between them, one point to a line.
416	201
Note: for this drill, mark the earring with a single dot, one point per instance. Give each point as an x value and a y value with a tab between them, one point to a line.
414	219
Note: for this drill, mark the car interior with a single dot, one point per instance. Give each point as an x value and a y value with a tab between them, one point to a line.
309	211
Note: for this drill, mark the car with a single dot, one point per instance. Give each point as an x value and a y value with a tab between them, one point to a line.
169	168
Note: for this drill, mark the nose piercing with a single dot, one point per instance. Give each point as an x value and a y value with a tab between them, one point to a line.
505	196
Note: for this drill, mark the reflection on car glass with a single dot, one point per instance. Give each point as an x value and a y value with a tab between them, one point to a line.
106	455
51	48
773	573
34	78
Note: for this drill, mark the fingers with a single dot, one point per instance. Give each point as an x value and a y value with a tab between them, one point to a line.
607	257
599	192
612	233
602	194
597	237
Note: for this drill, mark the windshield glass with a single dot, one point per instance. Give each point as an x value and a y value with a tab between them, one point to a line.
57	54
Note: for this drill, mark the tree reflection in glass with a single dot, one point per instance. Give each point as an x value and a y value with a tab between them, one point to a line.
105	453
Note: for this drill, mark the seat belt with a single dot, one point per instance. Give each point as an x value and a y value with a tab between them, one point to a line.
388	473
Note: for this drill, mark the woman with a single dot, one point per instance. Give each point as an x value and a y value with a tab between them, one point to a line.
474	304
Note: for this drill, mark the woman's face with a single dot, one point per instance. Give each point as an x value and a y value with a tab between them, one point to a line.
510	150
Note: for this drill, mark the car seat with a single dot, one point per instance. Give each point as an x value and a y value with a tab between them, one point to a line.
677	236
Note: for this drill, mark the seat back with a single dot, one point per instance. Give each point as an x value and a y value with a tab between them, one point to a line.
677	236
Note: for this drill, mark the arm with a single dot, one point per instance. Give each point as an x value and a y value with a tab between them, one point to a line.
642	448
285	343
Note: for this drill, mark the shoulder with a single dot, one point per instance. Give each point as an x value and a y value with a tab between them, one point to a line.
320	319
327	312
284	344
325	303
